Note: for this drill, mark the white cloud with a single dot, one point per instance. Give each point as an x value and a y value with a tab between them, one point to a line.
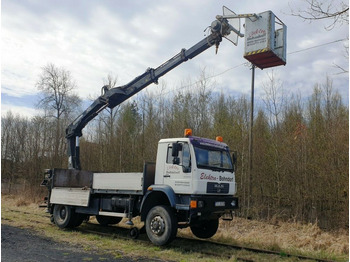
92	39
19	110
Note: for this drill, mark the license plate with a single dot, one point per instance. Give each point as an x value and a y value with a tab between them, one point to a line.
220	204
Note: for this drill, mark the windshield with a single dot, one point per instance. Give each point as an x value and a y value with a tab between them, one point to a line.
213	159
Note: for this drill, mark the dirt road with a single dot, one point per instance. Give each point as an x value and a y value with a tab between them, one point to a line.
23	245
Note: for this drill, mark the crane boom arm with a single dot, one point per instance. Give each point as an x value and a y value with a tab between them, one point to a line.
115	96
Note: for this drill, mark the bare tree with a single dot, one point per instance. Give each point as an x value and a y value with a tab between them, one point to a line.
110	119
334	10
57	85
58	101
274	98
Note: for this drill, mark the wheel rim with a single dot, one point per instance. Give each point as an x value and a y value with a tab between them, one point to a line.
62	213
157	225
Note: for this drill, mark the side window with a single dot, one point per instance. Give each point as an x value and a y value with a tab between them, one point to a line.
169	158
184	157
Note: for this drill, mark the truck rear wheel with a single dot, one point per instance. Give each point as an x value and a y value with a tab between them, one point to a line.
106	220
78	220
205	229
161	225
64	216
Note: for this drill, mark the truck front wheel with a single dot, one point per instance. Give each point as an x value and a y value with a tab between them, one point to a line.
205	229
161	225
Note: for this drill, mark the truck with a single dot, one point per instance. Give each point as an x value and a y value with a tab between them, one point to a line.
191	184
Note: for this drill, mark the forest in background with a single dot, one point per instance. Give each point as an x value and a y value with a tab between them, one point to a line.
300	145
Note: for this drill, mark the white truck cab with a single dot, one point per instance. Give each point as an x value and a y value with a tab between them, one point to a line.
194	165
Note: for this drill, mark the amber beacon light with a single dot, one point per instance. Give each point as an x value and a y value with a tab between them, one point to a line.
219	139
188	132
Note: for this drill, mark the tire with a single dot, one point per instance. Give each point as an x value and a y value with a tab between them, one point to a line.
78	220
205	229
106	220
64	216
134	233
161	225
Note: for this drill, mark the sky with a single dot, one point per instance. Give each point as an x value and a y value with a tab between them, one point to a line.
92	39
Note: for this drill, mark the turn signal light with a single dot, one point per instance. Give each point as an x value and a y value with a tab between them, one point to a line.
193	204
219	139
188	132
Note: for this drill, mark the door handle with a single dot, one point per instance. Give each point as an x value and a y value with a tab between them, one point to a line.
166	175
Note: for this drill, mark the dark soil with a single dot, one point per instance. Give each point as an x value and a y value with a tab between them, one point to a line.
24	245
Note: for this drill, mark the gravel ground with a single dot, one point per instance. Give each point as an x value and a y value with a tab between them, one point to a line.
23	245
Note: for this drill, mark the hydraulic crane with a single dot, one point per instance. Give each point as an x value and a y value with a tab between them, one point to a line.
112	97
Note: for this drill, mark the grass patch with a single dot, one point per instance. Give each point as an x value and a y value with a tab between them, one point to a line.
292	238
286	238
21	202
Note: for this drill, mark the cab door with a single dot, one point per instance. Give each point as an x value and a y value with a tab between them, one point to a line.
178	170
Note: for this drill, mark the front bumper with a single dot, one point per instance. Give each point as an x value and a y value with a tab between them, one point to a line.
207	207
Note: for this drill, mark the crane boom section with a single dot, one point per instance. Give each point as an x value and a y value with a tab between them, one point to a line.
115	96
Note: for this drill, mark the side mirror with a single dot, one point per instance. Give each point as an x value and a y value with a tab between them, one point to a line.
175	153
234	158
175	149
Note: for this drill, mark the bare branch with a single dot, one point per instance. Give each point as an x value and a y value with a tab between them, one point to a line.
323	10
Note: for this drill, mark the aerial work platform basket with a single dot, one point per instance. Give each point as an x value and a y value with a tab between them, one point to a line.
265	40
265	37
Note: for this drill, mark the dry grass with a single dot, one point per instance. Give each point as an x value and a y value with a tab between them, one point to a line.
291	237
22	202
